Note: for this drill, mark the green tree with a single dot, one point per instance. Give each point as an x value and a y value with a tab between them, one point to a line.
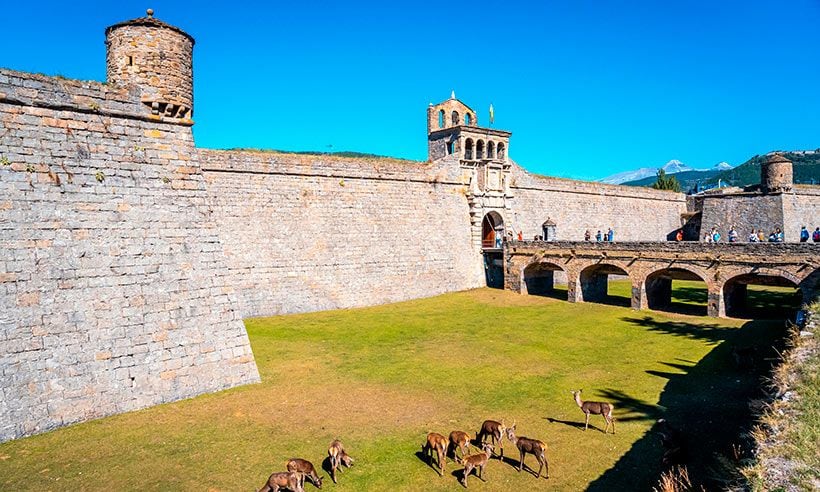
666	183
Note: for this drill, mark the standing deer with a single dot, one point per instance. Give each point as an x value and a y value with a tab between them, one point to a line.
338	457
458	440
478	461
532	446
307	470
595	408
284	480
494	430
438	444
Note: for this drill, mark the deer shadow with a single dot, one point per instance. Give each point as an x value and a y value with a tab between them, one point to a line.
571	423
427	460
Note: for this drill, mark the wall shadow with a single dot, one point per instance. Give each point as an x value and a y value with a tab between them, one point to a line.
706	402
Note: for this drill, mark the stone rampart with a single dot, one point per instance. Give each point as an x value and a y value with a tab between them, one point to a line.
114	291
304	233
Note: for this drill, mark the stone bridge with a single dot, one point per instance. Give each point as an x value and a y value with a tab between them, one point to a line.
532	267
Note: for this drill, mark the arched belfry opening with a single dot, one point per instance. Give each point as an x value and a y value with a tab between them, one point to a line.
492	240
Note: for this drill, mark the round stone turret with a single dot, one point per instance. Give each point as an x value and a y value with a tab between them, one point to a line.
776	174
157	59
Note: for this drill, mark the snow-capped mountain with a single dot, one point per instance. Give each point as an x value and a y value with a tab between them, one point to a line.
672	167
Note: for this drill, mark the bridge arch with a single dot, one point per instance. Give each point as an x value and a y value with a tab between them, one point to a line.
736	298
657	287
538	279
593	283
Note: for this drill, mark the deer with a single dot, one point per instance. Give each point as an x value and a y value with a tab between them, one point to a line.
532	446
438	444
494	430
338	458
595	408
307	470
458	440
478	460
284	480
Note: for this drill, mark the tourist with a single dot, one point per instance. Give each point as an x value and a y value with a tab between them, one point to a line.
599	237
587	235
804	235
772	237
778	236
753	237
760	236
715	235
816	235
679	235
707	238
520	235
499	236
610	235
732	235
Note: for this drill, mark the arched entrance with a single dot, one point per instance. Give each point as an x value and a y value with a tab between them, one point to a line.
492	231
677	290
761	296
539	279
594	283
492	235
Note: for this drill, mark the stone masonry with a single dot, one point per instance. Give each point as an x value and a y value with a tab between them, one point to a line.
128	257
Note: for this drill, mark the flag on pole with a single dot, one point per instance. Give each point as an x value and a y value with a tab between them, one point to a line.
492	114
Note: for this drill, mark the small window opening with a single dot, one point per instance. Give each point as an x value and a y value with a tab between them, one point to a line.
455	118
468	119
130	61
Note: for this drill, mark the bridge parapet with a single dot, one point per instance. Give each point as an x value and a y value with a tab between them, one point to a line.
725	268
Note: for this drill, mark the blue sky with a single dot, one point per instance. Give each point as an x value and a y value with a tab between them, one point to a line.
587	88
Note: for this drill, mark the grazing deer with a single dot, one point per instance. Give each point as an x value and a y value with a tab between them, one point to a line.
307	470
595	408
493	429
532	446
436	442
478	461
284	480
458	440
338	457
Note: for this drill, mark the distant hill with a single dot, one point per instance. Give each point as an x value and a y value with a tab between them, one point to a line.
806	170
687	179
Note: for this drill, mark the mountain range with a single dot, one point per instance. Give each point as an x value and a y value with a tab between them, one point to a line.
672	167
806	166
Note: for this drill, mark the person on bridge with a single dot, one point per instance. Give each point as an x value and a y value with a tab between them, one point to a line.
816	235
804	235
679	235
599	237
732	235
610	235
587	235
715	235
753	237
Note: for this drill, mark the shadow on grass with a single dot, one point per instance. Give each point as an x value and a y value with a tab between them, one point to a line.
427	460
707	401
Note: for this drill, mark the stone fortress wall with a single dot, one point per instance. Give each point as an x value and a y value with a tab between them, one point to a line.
129	256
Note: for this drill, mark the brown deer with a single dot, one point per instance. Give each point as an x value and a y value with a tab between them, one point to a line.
307	470
494	430
458	440
438	443
532	446
595	408
338	458
478	461
284	480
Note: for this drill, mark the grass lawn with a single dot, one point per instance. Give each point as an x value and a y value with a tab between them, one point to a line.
380	378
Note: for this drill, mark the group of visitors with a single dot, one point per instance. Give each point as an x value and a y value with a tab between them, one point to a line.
756	235
609	236
804	235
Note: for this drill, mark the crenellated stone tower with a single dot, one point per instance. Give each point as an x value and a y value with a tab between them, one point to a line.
157	60
482	154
